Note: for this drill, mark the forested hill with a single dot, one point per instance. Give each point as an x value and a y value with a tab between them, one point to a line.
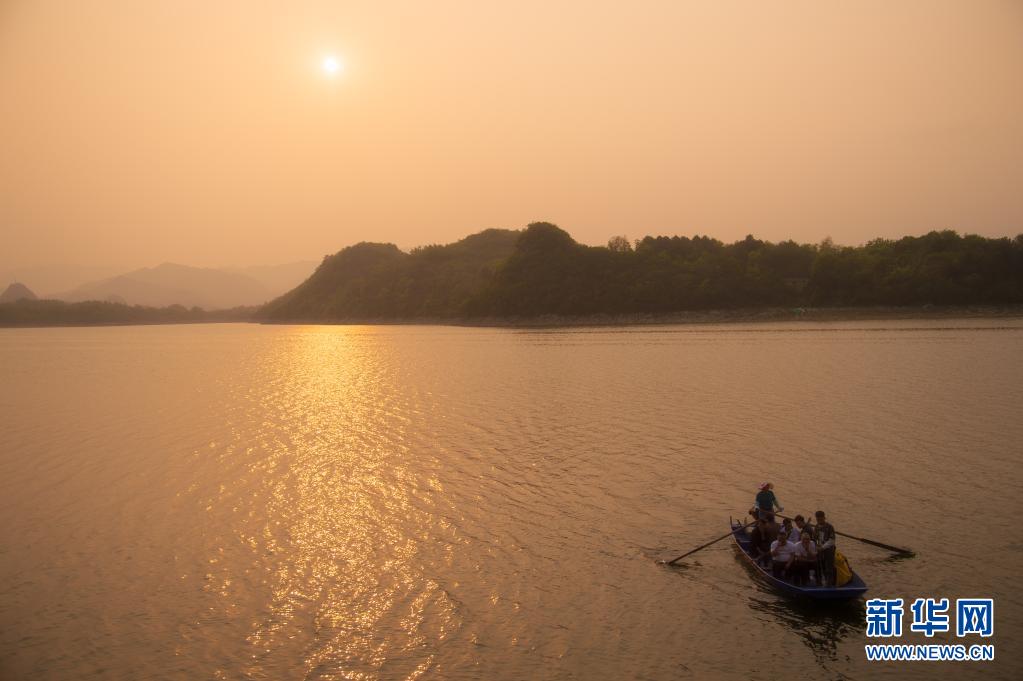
369	281
542	270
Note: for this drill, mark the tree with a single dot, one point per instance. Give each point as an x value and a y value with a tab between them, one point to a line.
619	244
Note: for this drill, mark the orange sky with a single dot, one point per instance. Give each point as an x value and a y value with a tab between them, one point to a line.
205	132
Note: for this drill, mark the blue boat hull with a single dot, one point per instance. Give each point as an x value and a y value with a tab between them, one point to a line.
855	588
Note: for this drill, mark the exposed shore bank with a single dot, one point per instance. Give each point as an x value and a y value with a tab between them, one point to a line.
736	316
726	316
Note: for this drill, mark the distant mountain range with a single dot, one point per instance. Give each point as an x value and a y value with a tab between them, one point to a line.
170	284
210	289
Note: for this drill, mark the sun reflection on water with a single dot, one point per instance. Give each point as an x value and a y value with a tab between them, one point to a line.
341	515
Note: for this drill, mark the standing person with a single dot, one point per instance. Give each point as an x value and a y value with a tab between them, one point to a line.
766	501
803	526
824	534
790	532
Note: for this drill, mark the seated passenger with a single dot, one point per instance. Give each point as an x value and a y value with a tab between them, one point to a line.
804	560
761	543
781	556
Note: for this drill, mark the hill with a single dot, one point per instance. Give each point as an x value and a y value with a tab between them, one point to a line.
171	284
46	279
379	281
543	271
16	292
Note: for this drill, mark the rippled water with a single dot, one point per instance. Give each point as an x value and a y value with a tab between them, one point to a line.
275	502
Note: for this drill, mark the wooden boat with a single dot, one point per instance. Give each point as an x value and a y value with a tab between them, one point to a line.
854	588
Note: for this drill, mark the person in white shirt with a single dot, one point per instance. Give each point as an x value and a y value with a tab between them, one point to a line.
804	559
781	556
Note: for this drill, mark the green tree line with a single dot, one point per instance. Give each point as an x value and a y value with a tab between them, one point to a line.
542	270
96	312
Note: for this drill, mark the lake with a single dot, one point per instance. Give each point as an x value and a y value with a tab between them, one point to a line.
395	502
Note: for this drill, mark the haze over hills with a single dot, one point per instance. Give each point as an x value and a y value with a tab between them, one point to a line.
208	288
172	284
47	279
277	279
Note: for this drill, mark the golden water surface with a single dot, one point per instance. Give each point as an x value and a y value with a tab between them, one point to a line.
288	502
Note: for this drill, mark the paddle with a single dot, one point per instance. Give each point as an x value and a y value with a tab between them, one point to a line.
878	544
700	548
889	547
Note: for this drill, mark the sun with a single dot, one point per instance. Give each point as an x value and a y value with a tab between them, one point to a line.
331	65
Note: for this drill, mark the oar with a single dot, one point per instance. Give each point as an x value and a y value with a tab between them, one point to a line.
878	544
700	548
889	547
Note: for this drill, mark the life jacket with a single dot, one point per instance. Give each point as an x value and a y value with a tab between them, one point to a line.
843	573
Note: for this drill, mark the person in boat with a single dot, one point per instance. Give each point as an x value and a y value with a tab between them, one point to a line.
824	535
790	532
803	526
773	528
766	502
761	543
781	556
804	558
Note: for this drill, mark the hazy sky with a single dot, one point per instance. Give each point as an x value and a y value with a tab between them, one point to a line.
206	132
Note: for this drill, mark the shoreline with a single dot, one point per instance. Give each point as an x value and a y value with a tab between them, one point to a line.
719	316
